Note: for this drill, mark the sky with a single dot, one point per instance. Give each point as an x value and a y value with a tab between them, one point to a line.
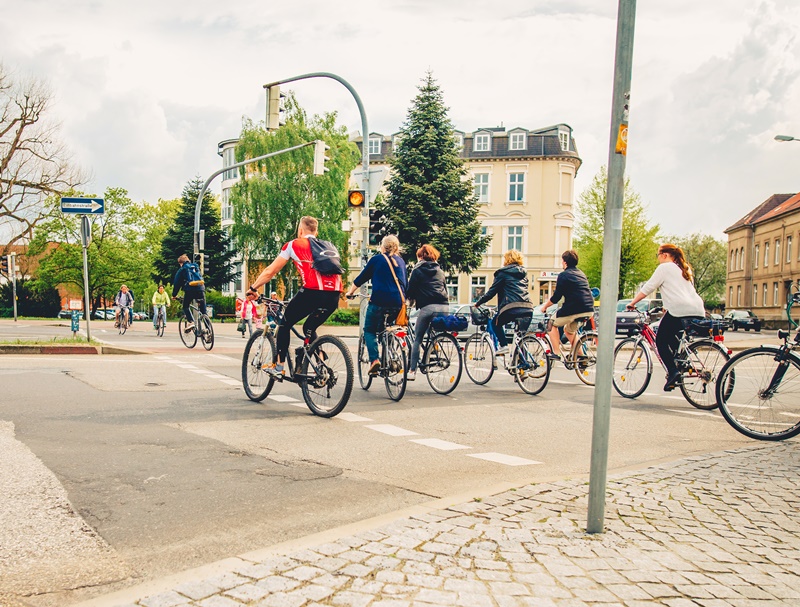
144	91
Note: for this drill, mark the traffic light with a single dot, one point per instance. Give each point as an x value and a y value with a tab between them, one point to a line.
276	115
356	199
202	263
320	158
377	229
5	263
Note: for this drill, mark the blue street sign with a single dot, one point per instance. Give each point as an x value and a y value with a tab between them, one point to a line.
83	206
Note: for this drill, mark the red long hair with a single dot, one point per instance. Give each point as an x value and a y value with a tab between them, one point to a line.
679	259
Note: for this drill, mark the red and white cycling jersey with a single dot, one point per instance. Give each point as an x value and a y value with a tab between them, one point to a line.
299	251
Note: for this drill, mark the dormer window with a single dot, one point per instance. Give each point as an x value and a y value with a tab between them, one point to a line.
481	142
517	141
395	143
374	146
563	139
459	137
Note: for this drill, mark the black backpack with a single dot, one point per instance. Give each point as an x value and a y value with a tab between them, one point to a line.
325	257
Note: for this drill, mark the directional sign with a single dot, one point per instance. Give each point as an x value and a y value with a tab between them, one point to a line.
83	206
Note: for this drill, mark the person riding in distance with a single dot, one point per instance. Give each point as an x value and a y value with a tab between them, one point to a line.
675	279
196	292
386	270
160	303
428	291
317	299
573	286
123	299
513	301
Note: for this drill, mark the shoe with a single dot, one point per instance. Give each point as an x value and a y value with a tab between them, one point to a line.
189	327
275	370
374	367
411	375
502	351
554	357
672	380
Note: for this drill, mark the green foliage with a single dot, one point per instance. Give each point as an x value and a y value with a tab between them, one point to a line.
179	239
30	301
275	193
223	304
707	256
429	200
639	239
343	316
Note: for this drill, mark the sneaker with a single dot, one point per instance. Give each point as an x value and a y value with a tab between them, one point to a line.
275	370
554	357
374	367
189	327
502	351
672	380
411	375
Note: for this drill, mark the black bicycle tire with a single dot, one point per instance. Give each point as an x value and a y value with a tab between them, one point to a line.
364	378
207	336
648	368
392	342
477	338
349	372
161	326
581	338
253	395
186	337
454	378
723	382
693	346
521	374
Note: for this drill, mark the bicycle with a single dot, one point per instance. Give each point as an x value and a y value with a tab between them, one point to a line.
125	319
582	358
699	361
393	357
440	360
758	390
202	328
322	368
161	322
529	365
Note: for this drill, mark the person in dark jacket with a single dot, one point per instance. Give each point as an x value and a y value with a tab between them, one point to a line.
190	292
573	286
386	299
427	289
513	300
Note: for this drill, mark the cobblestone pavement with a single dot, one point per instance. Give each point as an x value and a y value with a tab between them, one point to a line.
719	530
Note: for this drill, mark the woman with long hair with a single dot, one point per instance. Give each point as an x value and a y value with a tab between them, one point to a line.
675	279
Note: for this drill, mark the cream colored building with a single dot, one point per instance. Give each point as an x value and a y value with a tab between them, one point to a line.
764	258
524	181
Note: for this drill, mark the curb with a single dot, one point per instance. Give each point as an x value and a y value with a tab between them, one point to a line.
63	349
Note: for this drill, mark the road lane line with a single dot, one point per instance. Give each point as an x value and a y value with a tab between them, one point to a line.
352	417
689	412
231	382
391	430
500	458
436	443
282	398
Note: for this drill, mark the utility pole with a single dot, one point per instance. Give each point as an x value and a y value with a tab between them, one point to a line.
12	266
612	240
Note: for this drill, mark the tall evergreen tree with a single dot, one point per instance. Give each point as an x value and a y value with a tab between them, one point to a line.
429	200
179	239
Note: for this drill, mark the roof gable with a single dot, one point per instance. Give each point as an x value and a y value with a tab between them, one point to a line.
761	210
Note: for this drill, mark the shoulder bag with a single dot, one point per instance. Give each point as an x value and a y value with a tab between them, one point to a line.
402	315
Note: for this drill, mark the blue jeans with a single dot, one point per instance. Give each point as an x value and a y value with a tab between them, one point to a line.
373	323
426	315
159	309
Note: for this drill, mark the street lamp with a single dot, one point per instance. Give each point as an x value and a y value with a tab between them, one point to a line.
785	138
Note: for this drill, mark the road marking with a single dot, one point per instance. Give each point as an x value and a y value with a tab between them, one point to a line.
391	430
656	395
186	366
223	357
352	417
561	381
201	371
282	398
500	458
231	382
439	444
213	375
703	413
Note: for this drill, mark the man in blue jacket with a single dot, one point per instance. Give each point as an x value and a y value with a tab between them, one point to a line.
188	278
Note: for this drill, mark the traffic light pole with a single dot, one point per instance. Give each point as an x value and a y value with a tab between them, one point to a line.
364	142
12	267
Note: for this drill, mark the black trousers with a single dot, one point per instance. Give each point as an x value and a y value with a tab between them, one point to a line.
524	315
190	295
667	340
316	305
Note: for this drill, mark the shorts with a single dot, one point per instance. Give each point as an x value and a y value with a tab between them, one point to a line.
570	323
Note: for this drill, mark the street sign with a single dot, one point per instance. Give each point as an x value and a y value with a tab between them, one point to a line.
376	178
83	206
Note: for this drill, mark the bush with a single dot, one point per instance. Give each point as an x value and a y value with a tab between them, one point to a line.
223	304
343	316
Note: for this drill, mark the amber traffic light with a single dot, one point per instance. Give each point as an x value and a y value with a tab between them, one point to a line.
356	199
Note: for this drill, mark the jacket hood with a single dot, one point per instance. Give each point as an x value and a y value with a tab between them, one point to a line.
514	271
427	268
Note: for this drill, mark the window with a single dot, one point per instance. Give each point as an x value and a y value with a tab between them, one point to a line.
481	143
395	144
481	186
514	240
755	257
764	299
738	296
766	254
774	293
741	259
516	187
227	207
477	287
517	141
459	141
737	261
755	295
374	146
563	139
777	252
788	249
229	158
730	296
451	282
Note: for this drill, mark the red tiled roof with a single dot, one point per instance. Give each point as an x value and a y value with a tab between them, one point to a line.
767	208
792	204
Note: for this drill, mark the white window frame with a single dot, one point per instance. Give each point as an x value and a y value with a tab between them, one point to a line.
396	143
730	296
788	249
451	284
229	158
459	141
474	283
755	295
777	251
518	236
739	297
766	254
563	139
764	299
374	142
227	207
518	140
755	257
774	293
481	142
483	194
515	186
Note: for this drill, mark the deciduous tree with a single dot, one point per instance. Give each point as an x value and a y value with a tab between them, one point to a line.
707	256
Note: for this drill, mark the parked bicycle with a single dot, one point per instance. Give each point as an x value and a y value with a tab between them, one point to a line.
698	360
125	319
528	359
202	330
323	368
758	390
440	359
583	357
393	357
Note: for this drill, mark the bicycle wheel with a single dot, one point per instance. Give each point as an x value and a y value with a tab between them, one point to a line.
328	376
529	365
396	367
189	339
633	367
206	332
123	326
751	404
259	351
479	358
706	358
443	363
160	326
364	378
585	356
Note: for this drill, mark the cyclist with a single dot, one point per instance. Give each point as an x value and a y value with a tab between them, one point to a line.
573	286
123	300
317	299
513	301
675	279
387	271
428	291
160	303
188	278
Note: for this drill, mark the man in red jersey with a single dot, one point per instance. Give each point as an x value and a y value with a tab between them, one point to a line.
318	297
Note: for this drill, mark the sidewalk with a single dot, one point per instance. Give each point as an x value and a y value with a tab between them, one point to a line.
718	530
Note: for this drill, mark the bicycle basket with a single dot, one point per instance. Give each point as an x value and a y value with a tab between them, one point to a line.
480	316
451	323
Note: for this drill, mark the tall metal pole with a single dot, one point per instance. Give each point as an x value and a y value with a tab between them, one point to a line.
612	240
13	267
86	238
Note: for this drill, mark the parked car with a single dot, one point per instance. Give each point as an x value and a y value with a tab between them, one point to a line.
103	314
743	319
68	314
141	316
630	322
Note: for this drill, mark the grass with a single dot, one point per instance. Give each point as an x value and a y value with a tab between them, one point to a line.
78	341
